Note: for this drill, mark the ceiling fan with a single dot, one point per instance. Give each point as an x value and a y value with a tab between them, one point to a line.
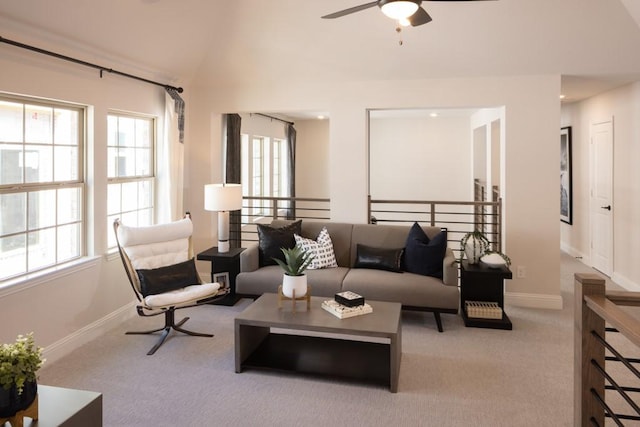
407	12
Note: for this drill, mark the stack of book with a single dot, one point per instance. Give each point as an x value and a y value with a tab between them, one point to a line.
483	310
347	304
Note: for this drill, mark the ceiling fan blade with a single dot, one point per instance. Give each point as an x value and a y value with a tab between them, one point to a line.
420	17
350	10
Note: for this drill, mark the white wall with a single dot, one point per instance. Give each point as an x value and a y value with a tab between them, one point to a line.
58	306
623	105
312	158
262	126
414	158
531	121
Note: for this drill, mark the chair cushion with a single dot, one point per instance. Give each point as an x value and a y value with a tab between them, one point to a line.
272	239
133	236
187	295
164	279
379	258
423	255
321	249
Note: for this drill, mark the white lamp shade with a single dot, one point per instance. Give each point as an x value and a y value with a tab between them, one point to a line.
399	9
222	197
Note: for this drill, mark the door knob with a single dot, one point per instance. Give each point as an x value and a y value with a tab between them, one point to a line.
608	207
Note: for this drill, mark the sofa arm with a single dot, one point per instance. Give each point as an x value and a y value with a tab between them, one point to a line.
250	259
450	269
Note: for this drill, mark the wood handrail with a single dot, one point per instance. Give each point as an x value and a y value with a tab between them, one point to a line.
286	199
434	202
624	298
628	325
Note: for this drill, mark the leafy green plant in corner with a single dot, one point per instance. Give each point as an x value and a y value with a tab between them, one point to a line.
19	362
296	261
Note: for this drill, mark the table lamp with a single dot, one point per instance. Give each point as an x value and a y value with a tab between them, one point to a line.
223	198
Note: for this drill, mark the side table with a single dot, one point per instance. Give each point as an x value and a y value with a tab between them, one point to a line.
479	282
222	262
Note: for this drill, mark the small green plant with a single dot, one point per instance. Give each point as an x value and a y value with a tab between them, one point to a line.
19	362
296	261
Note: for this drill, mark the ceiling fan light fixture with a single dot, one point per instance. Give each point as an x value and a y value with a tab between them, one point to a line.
398	9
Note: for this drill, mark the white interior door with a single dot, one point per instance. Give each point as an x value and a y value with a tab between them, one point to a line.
602	197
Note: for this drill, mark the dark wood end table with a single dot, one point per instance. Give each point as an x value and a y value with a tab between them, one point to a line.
479	282
222	262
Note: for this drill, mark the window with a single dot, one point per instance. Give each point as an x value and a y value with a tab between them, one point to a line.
264	171
41	185
130	151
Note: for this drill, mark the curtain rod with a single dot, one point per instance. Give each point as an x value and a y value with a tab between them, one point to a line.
87	64
274	118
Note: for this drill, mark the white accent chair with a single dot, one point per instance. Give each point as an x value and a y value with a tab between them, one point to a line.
159	263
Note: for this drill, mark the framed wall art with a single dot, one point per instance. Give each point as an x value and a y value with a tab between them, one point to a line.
566	180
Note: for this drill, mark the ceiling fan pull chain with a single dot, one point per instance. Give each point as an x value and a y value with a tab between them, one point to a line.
399	31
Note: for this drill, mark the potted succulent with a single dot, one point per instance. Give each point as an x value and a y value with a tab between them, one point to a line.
19	364
474	245
296	261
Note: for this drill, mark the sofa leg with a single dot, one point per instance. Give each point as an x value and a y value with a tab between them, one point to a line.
436	314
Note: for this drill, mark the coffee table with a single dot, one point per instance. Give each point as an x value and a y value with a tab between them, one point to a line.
365	348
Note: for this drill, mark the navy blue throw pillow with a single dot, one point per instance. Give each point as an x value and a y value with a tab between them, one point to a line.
423	255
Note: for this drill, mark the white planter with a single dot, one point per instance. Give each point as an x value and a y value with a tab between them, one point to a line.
291	283
473	250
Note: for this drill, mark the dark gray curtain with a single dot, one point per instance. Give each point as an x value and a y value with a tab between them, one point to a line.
291	142
234	173
179	111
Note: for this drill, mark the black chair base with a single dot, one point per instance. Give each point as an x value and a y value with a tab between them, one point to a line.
169	323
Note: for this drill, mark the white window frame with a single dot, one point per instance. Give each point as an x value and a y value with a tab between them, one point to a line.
143	212
69	224
263	184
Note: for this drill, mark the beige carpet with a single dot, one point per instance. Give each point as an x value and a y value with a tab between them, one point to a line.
462	377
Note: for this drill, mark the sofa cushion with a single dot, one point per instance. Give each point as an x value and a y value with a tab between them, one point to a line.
321	249
325	282
423	255
378	236
411	290
168	278
272	239
389	259
340	238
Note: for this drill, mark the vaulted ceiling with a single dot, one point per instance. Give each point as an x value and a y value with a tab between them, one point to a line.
593	44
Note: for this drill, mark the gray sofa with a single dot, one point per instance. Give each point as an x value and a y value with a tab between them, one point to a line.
413	291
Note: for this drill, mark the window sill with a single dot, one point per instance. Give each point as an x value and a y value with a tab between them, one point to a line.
25	282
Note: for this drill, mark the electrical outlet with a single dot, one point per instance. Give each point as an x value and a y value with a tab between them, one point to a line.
521	272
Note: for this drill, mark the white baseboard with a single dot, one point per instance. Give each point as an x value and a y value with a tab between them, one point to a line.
617	278
584	258
520	299
92	331
626	283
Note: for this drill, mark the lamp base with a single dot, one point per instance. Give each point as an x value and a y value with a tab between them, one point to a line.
223	231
